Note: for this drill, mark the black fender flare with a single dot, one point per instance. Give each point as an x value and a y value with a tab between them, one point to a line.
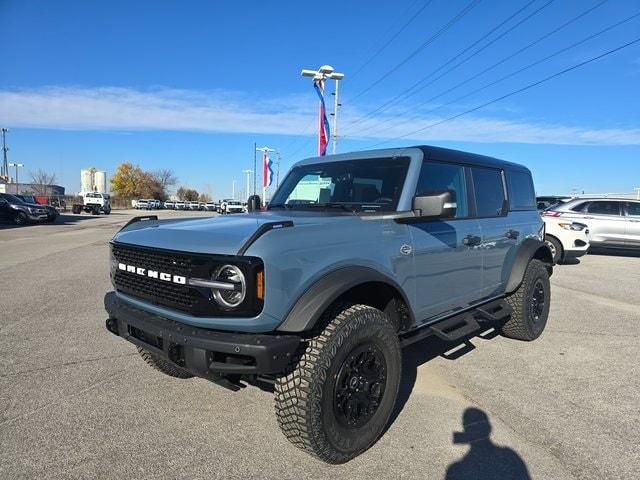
316	299
530	248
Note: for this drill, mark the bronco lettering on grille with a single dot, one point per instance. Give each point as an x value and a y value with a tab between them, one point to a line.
167	277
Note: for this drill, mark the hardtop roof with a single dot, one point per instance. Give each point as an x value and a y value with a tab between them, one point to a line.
429	152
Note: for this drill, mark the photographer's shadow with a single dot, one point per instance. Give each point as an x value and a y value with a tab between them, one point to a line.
484	460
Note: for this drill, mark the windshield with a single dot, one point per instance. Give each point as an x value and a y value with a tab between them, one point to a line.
11	198
371	185
94	195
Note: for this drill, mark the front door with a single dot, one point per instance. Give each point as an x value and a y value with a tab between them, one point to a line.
632	225
447	254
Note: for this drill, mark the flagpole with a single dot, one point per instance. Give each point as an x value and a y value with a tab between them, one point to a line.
255	165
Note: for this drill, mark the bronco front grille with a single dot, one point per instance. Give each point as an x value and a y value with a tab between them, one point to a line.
196	301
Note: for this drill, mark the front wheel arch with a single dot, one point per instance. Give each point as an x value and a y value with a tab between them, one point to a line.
335	287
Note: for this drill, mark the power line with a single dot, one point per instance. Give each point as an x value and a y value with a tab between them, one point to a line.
413	89
402	28
514	92
491	67
425	44
386	44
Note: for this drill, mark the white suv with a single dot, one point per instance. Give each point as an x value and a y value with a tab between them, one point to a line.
566	239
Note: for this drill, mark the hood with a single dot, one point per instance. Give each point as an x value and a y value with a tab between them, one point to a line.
223	235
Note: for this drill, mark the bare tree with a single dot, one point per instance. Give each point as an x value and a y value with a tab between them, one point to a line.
166	178
41	181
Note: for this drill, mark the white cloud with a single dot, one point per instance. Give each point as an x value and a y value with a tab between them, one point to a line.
127	109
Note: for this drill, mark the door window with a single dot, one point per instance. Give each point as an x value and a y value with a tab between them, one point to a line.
443	176
604	208
489	192
521	193
633	209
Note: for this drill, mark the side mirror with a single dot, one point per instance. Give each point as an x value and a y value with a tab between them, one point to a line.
435	204
253	203
3	202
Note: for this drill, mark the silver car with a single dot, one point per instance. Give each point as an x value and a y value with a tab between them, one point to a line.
612	222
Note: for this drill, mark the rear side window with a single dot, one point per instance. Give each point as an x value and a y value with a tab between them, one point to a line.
579	207
520	190
489	191
604	208
444	176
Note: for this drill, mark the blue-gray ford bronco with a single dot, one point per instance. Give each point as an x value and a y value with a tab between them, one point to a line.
356	256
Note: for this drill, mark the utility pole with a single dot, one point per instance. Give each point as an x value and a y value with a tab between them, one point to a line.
16	165
248	174
320	75
5	149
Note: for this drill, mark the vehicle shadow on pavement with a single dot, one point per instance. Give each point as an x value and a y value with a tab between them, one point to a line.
613	252
63	219
484	460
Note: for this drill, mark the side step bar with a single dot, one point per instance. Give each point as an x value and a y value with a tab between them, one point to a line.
460	325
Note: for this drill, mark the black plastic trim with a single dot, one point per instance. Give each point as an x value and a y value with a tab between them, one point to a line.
262	229
138	219
201	349
526	251
310	306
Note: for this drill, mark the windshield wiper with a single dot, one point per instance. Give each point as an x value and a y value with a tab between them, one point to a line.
279	205
331	205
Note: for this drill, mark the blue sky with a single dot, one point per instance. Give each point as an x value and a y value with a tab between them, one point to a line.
192	85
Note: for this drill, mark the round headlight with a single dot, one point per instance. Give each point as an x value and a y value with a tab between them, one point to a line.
230	274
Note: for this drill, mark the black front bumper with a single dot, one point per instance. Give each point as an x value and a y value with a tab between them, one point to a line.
205	353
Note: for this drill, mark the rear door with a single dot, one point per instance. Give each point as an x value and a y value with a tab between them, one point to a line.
606	222
632	224
448	267
491	209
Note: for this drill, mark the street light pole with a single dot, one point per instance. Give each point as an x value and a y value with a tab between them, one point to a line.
5	166
15	165
320	75
233	189
248	174
278	169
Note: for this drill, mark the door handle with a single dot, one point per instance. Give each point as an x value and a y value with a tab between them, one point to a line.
471	240
512	234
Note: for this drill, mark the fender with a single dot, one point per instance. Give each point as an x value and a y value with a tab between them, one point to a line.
313	302
530	248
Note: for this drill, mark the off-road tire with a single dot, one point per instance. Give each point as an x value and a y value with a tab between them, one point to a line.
163	365
305	398
20	218
522	323
557	251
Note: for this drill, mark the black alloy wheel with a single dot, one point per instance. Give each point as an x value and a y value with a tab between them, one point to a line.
360	386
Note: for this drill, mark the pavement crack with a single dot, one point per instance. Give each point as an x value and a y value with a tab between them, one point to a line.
65	397
66	364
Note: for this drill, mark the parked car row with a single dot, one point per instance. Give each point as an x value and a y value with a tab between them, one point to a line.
572	226
223	207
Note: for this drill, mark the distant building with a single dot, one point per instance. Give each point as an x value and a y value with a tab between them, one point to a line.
93	180
31	189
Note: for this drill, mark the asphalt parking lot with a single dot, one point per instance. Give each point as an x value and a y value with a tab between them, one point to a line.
77	402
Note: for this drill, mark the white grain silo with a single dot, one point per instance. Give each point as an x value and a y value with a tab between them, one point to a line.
86	180
100	181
